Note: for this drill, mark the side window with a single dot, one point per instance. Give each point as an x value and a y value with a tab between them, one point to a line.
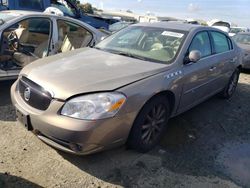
221	43
27	40
71	36
39	26
31	4
201	42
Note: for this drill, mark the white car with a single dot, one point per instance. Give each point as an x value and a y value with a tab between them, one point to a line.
27	36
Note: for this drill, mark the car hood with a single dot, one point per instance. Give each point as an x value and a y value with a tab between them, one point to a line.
88	70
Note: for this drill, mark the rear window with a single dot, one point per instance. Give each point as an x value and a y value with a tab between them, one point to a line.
31	4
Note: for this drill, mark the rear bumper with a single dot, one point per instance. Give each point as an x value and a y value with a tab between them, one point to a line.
246	62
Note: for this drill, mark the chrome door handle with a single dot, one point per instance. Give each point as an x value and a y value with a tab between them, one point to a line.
212	69
233	60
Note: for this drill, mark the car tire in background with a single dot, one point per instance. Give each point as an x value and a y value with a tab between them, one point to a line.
230	88
150	124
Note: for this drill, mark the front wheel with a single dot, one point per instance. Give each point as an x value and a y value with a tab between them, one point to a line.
149	125
231	86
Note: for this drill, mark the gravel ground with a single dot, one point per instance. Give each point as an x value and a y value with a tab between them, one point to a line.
208	146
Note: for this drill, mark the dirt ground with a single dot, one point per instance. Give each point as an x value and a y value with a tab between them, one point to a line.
208	146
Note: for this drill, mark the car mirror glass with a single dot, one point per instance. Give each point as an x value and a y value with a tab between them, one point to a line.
194	56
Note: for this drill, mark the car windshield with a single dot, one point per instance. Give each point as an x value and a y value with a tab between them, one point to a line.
118	26
145	43
242	39
4	17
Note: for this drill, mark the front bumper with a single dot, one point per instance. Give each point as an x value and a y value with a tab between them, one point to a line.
73	135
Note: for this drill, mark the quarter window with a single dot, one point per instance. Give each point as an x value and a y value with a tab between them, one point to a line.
221	43
201	43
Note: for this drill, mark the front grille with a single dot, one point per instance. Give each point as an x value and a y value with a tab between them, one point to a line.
33	94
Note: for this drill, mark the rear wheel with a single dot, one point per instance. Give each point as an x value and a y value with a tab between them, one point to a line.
231	86
149	125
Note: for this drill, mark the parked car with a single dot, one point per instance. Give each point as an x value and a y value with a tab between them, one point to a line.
27	36
235	30
219	24
243	41
66	6
126	88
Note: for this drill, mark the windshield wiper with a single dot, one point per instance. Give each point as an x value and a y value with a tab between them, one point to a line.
123	53
126	54
132	56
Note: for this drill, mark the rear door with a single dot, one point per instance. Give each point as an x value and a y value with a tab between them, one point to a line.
224	58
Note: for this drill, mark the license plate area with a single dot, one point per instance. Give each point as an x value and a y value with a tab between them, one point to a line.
24	119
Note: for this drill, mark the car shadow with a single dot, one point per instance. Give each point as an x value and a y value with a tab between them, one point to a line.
191	147
246	71
7	112
7	180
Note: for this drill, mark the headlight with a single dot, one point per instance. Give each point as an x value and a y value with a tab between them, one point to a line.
94	106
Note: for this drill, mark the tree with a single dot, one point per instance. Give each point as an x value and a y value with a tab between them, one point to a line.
76	2
86	8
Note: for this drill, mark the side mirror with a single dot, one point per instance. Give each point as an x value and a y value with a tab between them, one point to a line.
194	56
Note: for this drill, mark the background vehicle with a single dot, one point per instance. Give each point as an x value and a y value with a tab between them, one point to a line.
219	24
27	36
235	30
243	41
67	7
128	87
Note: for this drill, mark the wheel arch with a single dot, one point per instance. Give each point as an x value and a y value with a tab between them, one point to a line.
165	93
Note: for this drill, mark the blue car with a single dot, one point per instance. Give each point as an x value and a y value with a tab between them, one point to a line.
68	8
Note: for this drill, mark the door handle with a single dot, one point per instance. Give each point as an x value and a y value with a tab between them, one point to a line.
233	60
212	69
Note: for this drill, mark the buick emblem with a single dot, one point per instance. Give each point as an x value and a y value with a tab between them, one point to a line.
27	94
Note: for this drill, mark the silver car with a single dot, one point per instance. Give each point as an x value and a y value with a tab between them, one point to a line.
243	41
126	88
28	36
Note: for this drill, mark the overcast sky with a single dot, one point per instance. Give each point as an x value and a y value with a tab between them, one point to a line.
235	11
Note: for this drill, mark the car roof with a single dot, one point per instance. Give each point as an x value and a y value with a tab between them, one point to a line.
27	13
171	25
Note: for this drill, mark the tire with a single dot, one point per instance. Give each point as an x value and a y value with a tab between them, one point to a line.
230	88
149	125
